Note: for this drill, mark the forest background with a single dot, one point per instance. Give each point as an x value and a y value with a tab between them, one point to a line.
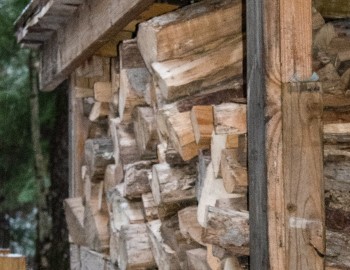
33	154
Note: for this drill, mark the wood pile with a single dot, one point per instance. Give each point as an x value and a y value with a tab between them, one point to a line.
162	156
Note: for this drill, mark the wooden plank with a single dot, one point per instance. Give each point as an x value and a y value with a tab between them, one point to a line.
303	175
259	240
94	23
12	262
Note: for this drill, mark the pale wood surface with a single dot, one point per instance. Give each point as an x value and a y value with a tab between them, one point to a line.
12	262
74	212
74	253
203	124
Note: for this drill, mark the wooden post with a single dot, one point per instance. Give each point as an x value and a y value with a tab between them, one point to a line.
284	145
12	262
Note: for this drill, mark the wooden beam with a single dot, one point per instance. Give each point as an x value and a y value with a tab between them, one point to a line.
93	25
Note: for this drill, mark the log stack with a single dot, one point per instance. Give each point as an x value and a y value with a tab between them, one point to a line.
164	151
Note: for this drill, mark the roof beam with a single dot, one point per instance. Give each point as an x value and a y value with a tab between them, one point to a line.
94	23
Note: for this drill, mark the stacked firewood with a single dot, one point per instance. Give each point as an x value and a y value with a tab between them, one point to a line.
331	48
165	156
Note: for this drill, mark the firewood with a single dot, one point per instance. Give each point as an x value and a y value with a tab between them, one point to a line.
317	19
182	136
114	175
197	259
337	254
113	246
149	207
96	226
188	224
186	76
74	212
91	189
335	10
103	91
74	256
172	236
208	19
203	124
124	211
172	185
98	154
230	118
100	110
222	261
228	229
98	129
210	196
218	143
93	67
115	82
137	179
331	82
135	80
134	249
324	36
233	173
204	158
145	132
164	255
91	260
83	92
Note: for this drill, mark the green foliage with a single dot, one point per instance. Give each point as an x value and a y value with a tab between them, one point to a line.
17	181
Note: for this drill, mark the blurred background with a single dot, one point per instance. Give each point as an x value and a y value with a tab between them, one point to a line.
33	154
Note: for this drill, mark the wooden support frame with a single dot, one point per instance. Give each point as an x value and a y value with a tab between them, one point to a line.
285	161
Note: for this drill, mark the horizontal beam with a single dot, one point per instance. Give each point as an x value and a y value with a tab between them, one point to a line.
94	23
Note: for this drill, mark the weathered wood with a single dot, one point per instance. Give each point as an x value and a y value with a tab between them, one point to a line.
62	54
98	154
96	226
182	136
228	229
172	185
303	169
145	132
188	224
172	236
182	77
210	21
197	259
114	175
338	250
103	91
4	251
74	212
135	80
204	158
203	124
74	256
83	92
164	255
99	111
230	118
234	175
149	207
137	179
218	143
134	249
335	9
91	260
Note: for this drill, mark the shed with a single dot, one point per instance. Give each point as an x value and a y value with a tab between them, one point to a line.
207	135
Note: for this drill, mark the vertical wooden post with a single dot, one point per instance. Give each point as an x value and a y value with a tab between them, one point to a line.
285	169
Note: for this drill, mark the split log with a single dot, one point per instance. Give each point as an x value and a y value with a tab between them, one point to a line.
134	249
210	21
172	236
135	80
164	255
228	229
172	185
96	226
338	250
145	132
233	173
95	66
114	175
182	136
173	158
218	143
91	260
210	196
98	154
91	189
103	92
83	92
137	179
222	261
197	259
99	111
74	212
115	82
182	77
230	118
124	211
203	124
74	256
188	224
98	129
317	19
204	158
149	207
333	9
